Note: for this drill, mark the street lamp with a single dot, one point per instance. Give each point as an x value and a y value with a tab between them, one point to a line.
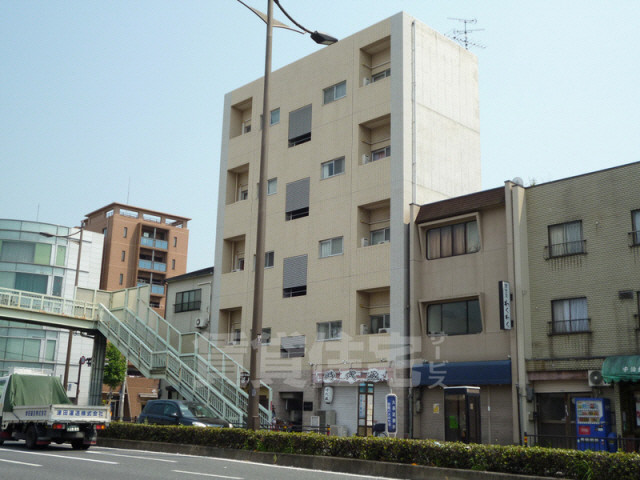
253	415
75	284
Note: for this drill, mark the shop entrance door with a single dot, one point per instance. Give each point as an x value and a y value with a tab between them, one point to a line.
462	414
365	409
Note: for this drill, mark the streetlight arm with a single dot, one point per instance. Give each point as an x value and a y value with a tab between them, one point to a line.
275	23
318	37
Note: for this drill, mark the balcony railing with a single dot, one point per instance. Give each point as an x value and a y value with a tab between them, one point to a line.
153	243
157	289
149	265
576	325
565	249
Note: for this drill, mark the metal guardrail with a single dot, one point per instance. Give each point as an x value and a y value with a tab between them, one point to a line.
35	302
606	444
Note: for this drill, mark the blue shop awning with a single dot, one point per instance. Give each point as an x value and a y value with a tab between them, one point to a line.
447	374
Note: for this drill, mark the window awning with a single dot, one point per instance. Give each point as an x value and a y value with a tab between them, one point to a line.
621	368
447	374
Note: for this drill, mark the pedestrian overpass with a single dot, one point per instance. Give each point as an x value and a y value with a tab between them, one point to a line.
189	362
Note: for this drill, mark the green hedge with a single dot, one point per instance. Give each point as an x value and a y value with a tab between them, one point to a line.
547	462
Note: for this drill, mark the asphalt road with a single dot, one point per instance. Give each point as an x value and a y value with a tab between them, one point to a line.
60	462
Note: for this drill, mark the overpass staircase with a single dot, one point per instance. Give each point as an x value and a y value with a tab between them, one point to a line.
193	365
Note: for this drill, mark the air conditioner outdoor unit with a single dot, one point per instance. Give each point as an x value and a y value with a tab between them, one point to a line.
364	329
365	159
383	330
365	242
596	380
201	322
314	421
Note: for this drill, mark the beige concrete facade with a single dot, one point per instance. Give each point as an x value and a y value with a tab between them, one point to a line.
449	349
140	247
406	124
584	269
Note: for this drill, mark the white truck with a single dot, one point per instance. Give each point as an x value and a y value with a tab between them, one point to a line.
36	409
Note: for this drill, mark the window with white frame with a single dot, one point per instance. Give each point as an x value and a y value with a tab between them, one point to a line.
451	240
335	92
275	116
272	186
331	247
380	153
382	235
332	168
570	315
454	318
269	259
380	75
566	239
635	225
380	323
330	330
291	347
243	192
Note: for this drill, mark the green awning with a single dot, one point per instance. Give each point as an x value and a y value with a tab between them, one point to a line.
622	368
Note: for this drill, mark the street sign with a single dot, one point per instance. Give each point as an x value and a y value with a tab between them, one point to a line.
82	360
505	305
392	413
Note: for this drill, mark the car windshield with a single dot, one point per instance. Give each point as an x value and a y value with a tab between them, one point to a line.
196	410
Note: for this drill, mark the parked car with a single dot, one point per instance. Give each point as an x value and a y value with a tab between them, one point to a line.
180	412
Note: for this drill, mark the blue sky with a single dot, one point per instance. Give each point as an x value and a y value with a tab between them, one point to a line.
104	100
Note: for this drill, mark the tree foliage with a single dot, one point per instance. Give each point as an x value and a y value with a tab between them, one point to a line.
115	368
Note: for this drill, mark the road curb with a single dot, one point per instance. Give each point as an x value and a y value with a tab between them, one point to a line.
329	464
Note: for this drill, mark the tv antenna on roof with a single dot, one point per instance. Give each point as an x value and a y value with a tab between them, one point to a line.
462	36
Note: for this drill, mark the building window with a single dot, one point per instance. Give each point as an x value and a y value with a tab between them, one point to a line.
566	239
335	92
124	232
175	242
275	116
122	257
454	318
331	247
121	278
291	347
188	301
380	153
173	264
380	323
300	126
265	338
104	231
243	193
380	75
272	186
294	281
332	168
450	240
330	330
269	259
382	235
365	409
635	225
570	315
238	262
297	201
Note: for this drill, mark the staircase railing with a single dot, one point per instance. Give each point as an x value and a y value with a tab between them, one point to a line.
191	363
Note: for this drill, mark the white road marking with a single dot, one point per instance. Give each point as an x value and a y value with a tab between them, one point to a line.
64	456
208	475
21	463
134	456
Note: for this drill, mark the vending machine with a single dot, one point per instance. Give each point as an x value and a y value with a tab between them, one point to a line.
593	423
